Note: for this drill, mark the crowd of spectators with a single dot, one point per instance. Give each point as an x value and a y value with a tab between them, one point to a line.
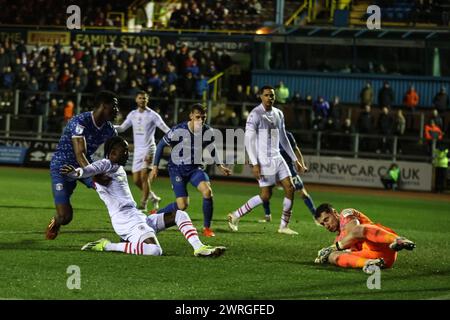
168	73
54	12
243	14
192	14
377	114
416	11
165	73
430	11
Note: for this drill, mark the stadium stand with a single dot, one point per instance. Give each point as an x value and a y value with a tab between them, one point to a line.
402	13
53	12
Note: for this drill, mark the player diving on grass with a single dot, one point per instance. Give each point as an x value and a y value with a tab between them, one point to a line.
298	183
359	243
144	122
188	140
129	223
264	133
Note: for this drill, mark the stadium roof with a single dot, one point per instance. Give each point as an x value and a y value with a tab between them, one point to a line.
362	36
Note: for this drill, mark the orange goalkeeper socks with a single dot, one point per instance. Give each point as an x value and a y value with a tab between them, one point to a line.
350	261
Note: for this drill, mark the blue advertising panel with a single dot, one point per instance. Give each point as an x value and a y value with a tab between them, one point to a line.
12	155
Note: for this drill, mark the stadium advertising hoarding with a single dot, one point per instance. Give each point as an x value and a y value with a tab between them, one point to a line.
324	170
132	40
37	152
153	40
354	172
48	38
365	172
14	35
12	155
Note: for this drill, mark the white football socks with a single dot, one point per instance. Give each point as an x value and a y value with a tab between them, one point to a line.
248	206
138	248
287	212
186	227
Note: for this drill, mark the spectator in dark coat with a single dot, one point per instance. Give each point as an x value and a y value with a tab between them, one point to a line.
365	126
385	128
365	121
385	95
188	86
347	130
441	100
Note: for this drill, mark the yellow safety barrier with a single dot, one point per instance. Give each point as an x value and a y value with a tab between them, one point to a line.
296	13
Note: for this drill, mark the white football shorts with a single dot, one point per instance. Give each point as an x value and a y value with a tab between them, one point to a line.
134	226
139	155
274	170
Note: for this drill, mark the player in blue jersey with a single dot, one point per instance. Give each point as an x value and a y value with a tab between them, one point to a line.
298	183
185	167
81	137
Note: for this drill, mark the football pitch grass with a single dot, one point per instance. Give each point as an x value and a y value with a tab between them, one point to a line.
259	263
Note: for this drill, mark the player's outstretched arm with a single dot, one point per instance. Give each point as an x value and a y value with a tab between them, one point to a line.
153	173
69	170
125	125
323	254
79	148
162	125
99	167
303	168
158	154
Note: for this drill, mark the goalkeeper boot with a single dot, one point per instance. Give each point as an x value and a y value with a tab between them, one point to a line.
372	264
233	222
52	230
98	245
209	251
402	243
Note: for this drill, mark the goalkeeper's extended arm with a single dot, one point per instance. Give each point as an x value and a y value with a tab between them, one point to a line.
324	253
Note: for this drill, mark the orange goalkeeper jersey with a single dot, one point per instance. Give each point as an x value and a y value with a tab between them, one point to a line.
350	214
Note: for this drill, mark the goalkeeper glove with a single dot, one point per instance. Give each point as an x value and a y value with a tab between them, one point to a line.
324	253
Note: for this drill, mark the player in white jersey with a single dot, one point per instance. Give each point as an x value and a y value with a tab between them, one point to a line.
264	132
137	229
144	121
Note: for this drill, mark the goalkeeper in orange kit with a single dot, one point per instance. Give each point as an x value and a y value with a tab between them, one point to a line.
359	243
